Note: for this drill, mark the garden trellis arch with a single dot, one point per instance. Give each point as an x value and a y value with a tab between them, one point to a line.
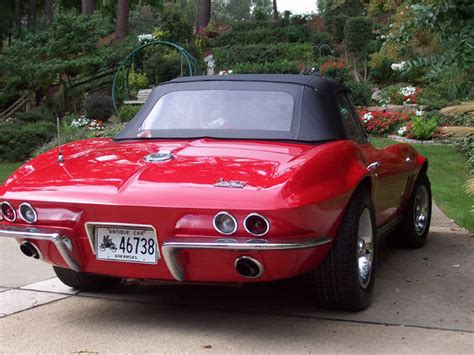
123	70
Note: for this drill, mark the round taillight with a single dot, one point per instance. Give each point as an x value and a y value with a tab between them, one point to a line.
256	224
28	213
8	212
225	223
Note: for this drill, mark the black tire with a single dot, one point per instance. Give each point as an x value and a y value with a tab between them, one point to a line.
83	281
336	283
407	235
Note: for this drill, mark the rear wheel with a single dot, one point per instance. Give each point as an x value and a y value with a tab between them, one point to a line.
84	281
415	225
345	279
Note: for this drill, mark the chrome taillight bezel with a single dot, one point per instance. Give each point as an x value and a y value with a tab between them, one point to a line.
254	214
26	204
4	215
226	214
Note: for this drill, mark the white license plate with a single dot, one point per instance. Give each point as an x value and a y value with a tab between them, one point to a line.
126	244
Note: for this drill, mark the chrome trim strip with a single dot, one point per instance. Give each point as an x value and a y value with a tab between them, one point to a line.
14	211
34	211
258	215
18	233
227	214
170	249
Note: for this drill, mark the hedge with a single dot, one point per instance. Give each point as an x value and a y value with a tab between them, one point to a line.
263	53
19	141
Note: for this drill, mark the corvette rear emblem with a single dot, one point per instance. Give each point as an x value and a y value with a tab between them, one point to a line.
235	184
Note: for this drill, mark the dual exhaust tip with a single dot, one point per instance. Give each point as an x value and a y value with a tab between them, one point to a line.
30	250
248	267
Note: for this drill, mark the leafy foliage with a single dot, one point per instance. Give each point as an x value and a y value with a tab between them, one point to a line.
19	141
99	107
68	47
127	112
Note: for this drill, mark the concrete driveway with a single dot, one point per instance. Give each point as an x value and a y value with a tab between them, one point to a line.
424	302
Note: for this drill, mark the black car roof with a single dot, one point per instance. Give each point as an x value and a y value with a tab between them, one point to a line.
315	82
315	118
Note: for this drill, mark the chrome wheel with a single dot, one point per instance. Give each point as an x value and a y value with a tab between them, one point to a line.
365	248
421	210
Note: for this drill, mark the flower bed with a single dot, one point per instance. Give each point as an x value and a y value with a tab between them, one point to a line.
408	124
381	123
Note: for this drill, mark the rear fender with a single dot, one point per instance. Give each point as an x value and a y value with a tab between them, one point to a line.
333	172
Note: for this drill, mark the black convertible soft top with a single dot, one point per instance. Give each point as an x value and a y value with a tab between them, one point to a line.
315	116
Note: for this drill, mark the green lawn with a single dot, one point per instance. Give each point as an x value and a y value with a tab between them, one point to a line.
448	173
6	169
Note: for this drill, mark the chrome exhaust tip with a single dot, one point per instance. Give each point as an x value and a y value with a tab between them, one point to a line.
248	267
30	250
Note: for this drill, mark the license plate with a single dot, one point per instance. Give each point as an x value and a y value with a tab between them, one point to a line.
126	244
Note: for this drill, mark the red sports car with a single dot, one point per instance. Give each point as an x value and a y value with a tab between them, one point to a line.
225	179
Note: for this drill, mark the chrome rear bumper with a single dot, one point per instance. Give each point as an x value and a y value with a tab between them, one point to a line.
32	233
170	248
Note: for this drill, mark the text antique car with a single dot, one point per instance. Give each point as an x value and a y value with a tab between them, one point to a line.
243	178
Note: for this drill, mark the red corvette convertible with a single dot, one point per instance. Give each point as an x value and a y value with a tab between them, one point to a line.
235	179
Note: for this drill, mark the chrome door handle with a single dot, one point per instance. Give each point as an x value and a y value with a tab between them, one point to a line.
374	166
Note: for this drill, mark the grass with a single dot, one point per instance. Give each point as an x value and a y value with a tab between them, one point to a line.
6	169
448	173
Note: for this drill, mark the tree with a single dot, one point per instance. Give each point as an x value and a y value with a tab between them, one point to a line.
358	33
121	30
275	11
204	14
48	11
18	15
32	14
88	7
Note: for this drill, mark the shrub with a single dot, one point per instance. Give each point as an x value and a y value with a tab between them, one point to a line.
35	116
422	128
161	67
361	92
282	67
333	69
335	26
288	34
399	94
357	33
19	141
99	107
262	53
127	112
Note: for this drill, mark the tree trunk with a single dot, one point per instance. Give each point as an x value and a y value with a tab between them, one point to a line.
121	30
87	7
32	14
203	15
356	73
48	11
275	11
18	15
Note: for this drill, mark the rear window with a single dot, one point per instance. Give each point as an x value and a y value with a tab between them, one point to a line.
221	110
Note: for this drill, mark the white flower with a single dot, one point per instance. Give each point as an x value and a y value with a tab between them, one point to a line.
398	66
419	113
402	130
367	117
407	90
146	37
